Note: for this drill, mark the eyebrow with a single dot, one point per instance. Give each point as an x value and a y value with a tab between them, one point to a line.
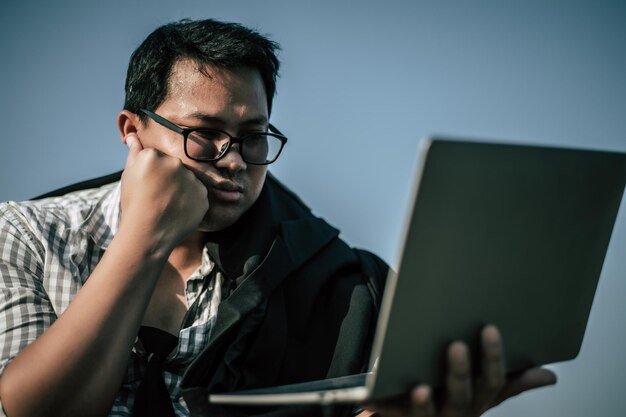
205	118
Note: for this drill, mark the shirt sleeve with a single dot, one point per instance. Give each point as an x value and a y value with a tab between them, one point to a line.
25	308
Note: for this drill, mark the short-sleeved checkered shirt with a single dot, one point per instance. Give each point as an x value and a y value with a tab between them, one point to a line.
48	249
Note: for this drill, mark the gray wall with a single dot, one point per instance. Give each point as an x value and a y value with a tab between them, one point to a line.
364	80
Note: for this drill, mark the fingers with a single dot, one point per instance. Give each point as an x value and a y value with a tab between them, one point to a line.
458	384
422	404
465	395
393	407
134	147
419	403
527	380
493	371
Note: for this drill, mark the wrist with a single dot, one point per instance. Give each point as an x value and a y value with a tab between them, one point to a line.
145	241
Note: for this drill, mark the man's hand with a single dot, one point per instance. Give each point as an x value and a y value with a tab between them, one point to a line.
159	195
466	395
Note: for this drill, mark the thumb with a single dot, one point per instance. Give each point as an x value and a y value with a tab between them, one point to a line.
134	147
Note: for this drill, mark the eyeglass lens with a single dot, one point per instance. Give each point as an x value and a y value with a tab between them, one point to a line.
260	148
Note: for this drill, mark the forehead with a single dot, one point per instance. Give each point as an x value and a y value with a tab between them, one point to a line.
212	89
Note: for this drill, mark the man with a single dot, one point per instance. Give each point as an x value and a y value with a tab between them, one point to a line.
197	269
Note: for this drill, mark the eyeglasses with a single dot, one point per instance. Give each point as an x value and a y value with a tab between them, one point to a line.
207	145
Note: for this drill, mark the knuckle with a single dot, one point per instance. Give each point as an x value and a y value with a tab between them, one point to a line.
148	156
149	152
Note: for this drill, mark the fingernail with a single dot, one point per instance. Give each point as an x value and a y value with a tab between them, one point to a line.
421	395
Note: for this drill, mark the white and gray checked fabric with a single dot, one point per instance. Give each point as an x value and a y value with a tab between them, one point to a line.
48	249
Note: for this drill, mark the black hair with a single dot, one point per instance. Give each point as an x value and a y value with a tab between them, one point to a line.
205	42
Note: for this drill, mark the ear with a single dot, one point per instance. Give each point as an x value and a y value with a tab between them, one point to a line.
127	123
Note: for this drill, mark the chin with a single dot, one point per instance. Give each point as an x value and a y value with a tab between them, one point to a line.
214	222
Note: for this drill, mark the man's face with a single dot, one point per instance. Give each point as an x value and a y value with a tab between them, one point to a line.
230	100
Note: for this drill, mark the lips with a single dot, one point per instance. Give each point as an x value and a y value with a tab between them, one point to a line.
228	186
227	191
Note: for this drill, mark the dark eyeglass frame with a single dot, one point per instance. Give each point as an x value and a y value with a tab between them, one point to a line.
231	139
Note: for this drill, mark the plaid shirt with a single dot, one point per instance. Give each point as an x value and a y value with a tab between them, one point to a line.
48	249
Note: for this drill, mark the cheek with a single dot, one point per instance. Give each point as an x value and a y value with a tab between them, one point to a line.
169	145
174	148
257	179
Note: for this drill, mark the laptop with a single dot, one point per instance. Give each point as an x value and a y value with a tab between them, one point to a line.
512	235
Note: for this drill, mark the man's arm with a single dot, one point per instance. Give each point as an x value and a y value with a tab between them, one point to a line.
76	366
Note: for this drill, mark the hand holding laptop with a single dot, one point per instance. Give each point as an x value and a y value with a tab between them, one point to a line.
466	394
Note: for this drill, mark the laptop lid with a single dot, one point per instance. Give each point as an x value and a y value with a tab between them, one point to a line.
512	235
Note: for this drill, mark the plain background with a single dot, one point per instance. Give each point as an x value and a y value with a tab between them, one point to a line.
361	82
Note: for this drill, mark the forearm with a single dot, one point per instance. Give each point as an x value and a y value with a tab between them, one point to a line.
76	366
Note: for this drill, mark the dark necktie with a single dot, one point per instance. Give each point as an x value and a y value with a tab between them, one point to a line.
152	398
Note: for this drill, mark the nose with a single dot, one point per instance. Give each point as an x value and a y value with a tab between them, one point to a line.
232	161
